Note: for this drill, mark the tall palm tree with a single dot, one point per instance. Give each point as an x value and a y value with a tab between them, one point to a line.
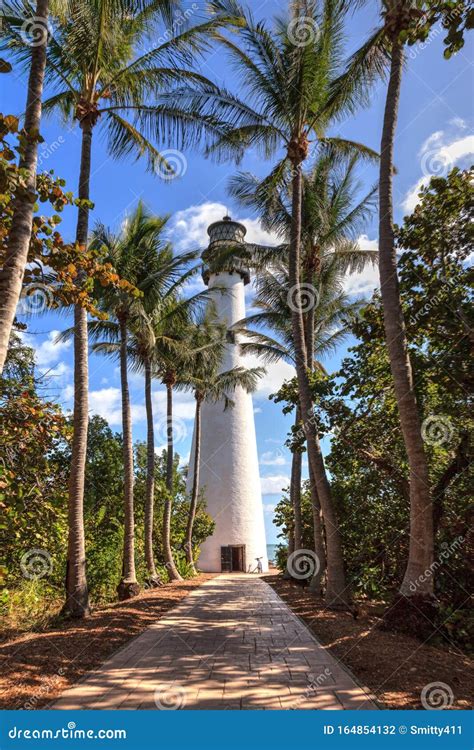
11	274
148	342
283	105
202	374
101	78
134	253
332	217
385	48
171	354
330	327
141	257
421	545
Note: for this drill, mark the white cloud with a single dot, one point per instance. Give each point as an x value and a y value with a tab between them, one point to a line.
49	352
107	403
270	458
61	372
438	155
459	123
184	404
274	377
67	395
274	485
366	281
188	228
269	507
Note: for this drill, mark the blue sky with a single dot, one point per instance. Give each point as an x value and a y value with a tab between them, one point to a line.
434	133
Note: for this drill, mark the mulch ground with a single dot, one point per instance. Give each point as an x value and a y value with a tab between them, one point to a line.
36	667
394	667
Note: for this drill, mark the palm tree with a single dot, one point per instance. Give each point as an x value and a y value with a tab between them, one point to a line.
284	105
207	340
420	556
171	352
140	257
330	327
11	275
160	347
332	216
102	79
134	254
385	47
149	343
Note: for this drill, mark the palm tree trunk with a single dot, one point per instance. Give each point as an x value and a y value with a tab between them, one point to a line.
315	584
195	487
420	556
167	551
337	594
295	492
77	596
153	577
316	580
128	586
11	275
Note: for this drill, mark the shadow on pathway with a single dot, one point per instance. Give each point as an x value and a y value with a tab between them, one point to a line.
231	644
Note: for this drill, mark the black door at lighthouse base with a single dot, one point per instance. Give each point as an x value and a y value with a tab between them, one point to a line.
233	558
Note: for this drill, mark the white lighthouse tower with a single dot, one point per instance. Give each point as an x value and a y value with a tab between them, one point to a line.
229	472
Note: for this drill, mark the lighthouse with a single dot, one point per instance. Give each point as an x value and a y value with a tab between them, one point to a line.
229	473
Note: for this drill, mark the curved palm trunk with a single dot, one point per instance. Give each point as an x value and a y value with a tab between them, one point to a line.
421	515
128	586
153	576
11	275
195	487
337	593
166	539
77	596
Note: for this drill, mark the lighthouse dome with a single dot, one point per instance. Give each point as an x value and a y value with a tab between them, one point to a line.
226	231
218	256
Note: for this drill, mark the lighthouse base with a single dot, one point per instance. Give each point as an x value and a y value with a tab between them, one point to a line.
231	558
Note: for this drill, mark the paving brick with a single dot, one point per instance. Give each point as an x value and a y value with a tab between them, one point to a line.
232	644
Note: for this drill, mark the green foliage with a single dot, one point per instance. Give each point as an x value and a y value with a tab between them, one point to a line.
357	408
183	567
33	484
281	556
367	459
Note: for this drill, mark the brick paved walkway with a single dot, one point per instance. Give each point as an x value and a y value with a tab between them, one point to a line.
231	644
